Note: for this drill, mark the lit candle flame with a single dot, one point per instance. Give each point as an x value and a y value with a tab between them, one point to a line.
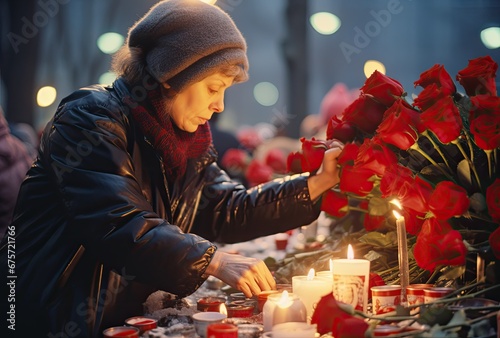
285	301
396	203
396	214
350	252
310	275
223	309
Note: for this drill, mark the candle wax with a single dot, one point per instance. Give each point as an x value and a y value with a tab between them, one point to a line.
310	291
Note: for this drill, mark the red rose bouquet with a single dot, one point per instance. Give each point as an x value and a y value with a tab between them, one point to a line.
239	163
437	155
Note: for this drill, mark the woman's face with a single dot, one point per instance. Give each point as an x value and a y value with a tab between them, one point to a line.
195	105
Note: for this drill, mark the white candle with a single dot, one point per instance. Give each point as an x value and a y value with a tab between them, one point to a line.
310	289
404	271
294	330
325	274
351	279
281	308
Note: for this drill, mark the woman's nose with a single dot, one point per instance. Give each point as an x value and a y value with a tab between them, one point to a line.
217	106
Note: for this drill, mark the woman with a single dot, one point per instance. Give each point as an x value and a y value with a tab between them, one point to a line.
126	197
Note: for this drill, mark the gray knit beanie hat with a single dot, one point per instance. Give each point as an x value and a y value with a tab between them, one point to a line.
184	40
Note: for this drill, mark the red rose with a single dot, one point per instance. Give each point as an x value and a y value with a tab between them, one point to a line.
348	154
276	159
393	179
384	89
494	240
485	130
443	119
314	151
414	195
364	113
427	97
258	172
493	200
326	312
235	160
249	138
375	280
294	162
340	130
448	200
413	221
352	327
374	155
439	76
356	180
479	76
485	121
373	222
438	244
484	104
335	203
400	126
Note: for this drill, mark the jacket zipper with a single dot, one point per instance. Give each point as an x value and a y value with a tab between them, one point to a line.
160	159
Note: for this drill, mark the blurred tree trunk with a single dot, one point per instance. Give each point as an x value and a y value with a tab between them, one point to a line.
20	37
295	55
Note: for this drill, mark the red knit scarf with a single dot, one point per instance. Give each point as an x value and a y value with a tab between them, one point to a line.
174	145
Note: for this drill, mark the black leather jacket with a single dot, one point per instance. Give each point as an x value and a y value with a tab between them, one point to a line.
98	229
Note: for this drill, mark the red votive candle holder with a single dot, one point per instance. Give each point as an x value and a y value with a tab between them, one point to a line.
433	294
281	241
415	293
222	330
142	323
121	331
210	304
240	309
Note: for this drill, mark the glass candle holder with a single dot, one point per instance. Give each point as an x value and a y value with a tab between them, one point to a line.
142	323
281	308
262	298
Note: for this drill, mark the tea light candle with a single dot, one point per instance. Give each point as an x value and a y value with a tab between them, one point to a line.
240	309
201	320
351	279
294	330
211	304
310	289
222	330
121	331
281	308
142	323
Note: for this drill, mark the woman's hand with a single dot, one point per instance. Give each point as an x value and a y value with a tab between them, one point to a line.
327	175
249	275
